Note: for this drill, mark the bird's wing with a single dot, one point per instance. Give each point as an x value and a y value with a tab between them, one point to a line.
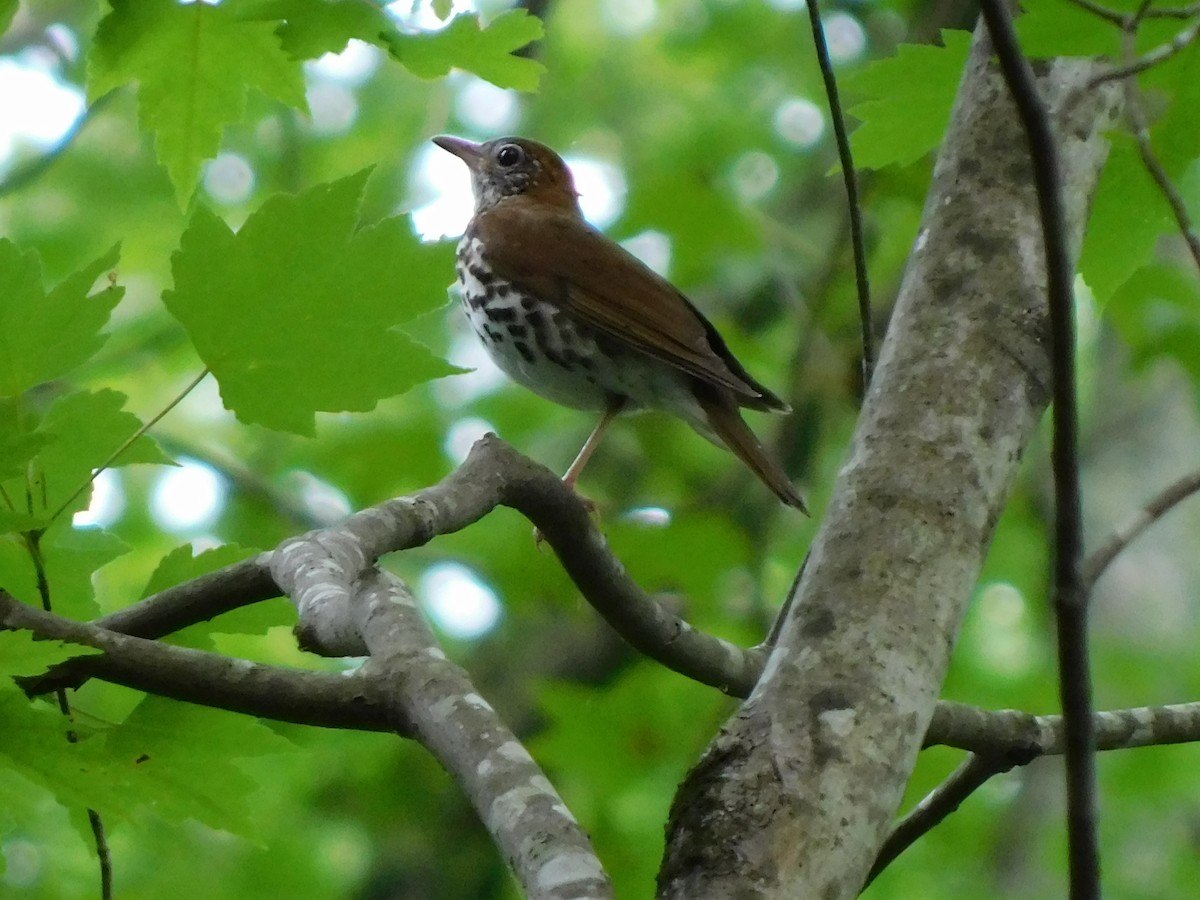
559	257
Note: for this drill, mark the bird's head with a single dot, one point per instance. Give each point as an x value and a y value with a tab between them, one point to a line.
513	166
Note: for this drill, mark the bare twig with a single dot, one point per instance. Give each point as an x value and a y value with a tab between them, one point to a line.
1070	600
100	836
1155	57
1121	19
861	275
35	168
1132	529
939	803
33	543
1002	740
1141	133
1103	12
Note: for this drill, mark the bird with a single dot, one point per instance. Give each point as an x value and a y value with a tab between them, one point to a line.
573	316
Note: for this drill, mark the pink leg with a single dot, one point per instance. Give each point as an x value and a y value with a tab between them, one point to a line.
593	441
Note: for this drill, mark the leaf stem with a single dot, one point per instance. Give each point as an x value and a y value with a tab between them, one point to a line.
129	443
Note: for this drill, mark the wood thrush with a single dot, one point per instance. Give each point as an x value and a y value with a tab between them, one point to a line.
576	318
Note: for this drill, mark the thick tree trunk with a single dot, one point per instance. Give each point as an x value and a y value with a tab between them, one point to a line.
793	799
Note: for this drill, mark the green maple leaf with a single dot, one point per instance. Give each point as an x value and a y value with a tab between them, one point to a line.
296	312
194	63
83	430
465	44
20	654
45	335
911	94
311	28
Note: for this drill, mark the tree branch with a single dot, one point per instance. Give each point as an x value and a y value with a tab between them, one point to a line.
797	792
319	570
195	676
1008	731
549	853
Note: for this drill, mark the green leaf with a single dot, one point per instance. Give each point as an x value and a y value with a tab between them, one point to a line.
18	450
70	556
20	654
8	9
311	28
35	745
1048	28
912	94
12	521
44	336
181	565
194	63
165	747
1157	312
1129	215
296	312
83	429
464	44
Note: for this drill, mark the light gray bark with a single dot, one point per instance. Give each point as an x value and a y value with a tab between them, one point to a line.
796	795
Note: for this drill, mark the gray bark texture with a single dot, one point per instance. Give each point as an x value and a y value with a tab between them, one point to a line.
795	796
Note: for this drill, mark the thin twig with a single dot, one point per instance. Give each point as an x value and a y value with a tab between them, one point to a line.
939	803
861	275
1133	528
1141	133
34	169
1103	12
129	443
1070	601
1157	56
101	839
1121	19
33	542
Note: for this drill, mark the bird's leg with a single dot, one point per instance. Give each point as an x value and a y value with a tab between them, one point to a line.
589	447
615	405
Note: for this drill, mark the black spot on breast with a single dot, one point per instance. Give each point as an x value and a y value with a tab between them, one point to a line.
484	276
524	350
503	314
495	336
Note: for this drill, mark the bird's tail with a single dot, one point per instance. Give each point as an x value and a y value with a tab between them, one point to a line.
726	423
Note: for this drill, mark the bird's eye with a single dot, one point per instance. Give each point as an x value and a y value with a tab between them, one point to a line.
509	155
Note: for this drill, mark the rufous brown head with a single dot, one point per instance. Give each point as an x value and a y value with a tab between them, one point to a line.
512	166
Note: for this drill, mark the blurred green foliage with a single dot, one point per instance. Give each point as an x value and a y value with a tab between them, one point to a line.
291	285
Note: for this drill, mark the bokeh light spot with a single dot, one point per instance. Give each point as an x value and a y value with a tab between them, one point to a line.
107	503
458	601
189	497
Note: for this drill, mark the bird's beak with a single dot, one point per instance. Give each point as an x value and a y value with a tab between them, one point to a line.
468	152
